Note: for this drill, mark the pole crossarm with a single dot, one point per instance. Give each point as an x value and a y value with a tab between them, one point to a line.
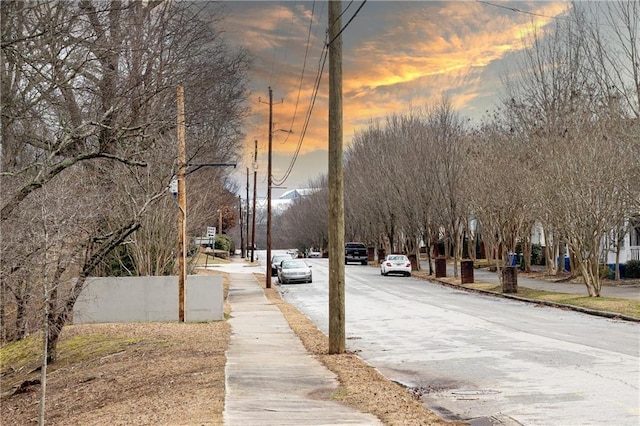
198	166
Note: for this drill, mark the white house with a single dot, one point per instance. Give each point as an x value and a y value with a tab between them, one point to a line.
630	248
283	202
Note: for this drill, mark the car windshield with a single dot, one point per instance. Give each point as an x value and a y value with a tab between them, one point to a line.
397	258
355	245
292	264
278	259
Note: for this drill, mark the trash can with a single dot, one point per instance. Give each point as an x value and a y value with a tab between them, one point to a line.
441	267
466	271
509	280
512	259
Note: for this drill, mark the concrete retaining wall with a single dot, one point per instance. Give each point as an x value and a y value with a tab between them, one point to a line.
146	299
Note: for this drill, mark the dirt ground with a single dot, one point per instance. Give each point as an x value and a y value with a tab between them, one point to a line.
174	374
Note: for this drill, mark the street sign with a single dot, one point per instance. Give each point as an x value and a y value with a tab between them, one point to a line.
173	186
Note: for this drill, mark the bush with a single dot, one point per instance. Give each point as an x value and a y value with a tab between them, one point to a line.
223	242
604	271
537	254
632	269
119	263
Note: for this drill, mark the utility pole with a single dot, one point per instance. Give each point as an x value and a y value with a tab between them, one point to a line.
182	204
247	218
269	183
268	260
220	222
241	227
336	185
255	192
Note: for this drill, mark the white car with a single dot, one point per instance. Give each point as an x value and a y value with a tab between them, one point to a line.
294	270
395	264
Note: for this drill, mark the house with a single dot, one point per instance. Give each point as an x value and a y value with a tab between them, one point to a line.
630	246
283	202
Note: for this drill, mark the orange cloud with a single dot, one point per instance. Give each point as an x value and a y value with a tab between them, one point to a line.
396	57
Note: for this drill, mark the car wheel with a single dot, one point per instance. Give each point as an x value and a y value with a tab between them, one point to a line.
381	273
385	273
364	262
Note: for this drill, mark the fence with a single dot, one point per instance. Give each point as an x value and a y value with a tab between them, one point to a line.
146	299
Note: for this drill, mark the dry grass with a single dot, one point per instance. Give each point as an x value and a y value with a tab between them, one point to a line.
172	374
110	374
122	374
630	308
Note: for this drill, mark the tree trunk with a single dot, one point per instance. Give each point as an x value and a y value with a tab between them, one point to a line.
22	302
551	254
591	280
526	248
619	240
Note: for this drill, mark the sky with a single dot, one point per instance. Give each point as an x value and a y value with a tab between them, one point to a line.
397	56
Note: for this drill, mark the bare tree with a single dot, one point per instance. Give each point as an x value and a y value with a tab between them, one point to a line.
304	224
500	189
568	119
88	105
447	151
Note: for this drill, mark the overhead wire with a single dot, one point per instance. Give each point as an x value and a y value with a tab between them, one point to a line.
540	15
318	78
323	59
348	22
304	66
305	126
515	9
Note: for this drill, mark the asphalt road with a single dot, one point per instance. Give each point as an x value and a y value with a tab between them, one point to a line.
484	359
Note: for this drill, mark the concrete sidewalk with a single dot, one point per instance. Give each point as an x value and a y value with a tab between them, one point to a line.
270	377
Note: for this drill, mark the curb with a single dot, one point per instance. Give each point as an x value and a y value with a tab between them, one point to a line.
605	314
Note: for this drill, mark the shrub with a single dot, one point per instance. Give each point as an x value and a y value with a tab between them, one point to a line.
537	254
223	242
632	269
604	271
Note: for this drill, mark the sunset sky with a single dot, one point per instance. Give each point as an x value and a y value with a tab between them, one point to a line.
397	55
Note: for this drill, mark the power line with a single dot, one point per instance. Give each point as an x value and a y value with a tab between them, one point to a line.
304	66
323	58
349	21
515	9
323	55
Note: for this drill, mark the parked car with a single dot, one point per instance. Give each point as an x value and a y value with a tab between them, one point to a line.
315	254
275	262
355	252
395	264
294	270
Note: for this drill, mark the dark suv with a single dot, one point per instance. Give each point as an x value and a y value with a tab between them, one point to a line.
355	252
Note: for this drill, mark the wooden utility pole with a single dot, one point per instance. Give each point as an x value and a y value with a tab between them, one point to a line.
241	224
220	222
336	185
182	204
247	217
255	192
269	181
